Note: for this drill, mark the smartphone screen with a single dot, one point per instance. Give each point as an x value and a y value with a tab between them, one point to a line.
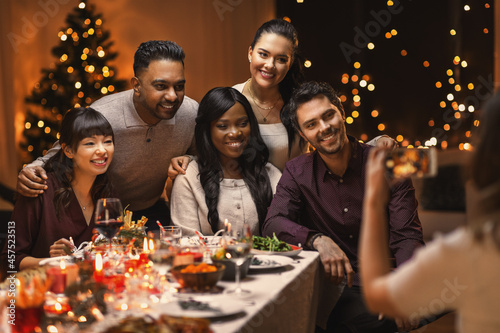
407	162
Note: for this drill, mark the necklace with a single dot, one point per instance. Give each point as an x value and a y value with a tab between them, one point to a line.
84	207
270	108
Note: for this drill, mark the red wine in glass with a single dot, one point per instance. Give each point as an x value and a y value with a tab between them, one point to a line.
109	229
109	219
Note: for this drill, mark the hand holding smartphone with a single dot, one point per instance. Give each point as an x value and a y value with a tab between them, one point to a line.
407	162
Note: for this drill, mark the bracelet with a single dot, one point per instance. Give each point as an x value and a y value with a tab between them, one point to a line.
313	238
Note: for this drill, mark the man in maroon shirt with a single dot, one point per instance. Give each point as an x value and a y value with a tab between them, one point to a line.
318	202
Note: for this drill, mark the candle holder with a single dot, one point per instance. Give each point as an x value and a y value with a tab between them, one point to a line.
57	274
56	305
28	320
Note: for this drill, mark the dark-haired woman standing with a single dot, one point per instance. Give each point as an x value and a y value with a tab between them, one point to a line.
275	70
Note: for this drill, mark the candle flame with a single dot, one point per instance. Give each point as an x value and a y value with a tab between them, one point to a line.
145	246
62	264
98	262
52	329
97	313
151	245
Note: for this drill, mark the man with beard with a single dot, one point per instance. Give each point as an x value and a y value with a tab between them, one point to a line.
153	122
318	202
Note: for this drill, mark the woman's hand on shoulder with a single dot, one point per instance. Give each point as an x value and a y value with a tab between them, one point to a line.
178	165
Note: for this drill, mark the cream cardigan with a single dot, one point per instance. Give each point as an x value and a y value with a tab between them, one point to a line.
189	210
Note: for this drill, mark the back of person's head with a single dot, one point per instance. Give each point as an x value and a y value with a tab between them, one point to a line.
157	50
305	93
484	169
486	156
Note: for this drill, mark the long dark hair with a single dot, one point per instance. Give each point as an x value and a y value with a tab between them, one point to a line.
252	161
78	124
486	159
484	171
294	77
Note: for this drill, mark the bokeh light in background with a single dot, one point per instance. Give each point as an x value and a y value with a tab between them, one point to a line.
430	71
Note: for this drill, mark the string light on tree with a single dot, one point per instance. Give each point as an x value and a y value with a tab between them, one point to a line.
71	80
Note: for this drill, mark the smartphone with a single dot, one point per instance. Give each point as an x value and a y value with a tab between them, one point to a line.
407	162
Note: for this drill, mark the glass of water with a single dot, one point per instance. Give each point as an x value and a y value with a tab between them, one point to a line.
173	232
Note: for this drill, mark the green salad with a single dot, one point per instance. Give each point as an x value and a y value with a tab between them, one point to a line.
270	244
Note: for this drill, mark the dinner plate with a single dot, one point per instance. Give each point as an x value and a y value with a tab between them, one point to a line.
269	262
295	250
195	240
53	259
213	309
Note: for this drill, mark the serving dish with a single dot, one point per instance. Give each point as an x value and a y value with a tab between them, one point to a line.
199	280
295	251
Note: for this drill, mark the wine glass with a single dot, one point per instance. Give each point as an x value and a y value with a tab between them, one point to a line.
163	255
174	232
237	243
108	219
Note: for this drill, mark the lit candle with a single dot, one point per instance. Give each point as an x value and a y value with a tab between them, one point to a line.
57	276
98	273
116	282
56	306
131	265
97	314
72	271
143	257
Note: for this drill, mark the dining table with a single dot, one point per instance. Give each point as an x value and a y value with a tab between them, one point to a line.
293	296
284	299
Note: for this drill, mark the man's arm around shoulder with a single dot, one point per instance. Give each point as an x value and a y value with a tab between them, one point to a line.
31	181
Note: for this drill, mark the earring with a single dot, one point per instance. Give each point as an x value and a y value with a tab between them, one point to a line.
250	60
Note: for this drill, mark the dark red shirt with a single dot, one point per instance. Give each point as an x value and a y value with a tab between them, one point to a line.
311	199
37	226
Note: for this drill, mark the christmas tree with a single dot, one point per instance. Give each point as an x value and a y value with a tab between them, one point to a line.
80	75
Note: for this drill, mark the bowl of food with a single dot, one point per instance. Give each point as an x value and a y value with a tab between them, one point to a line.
198	276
